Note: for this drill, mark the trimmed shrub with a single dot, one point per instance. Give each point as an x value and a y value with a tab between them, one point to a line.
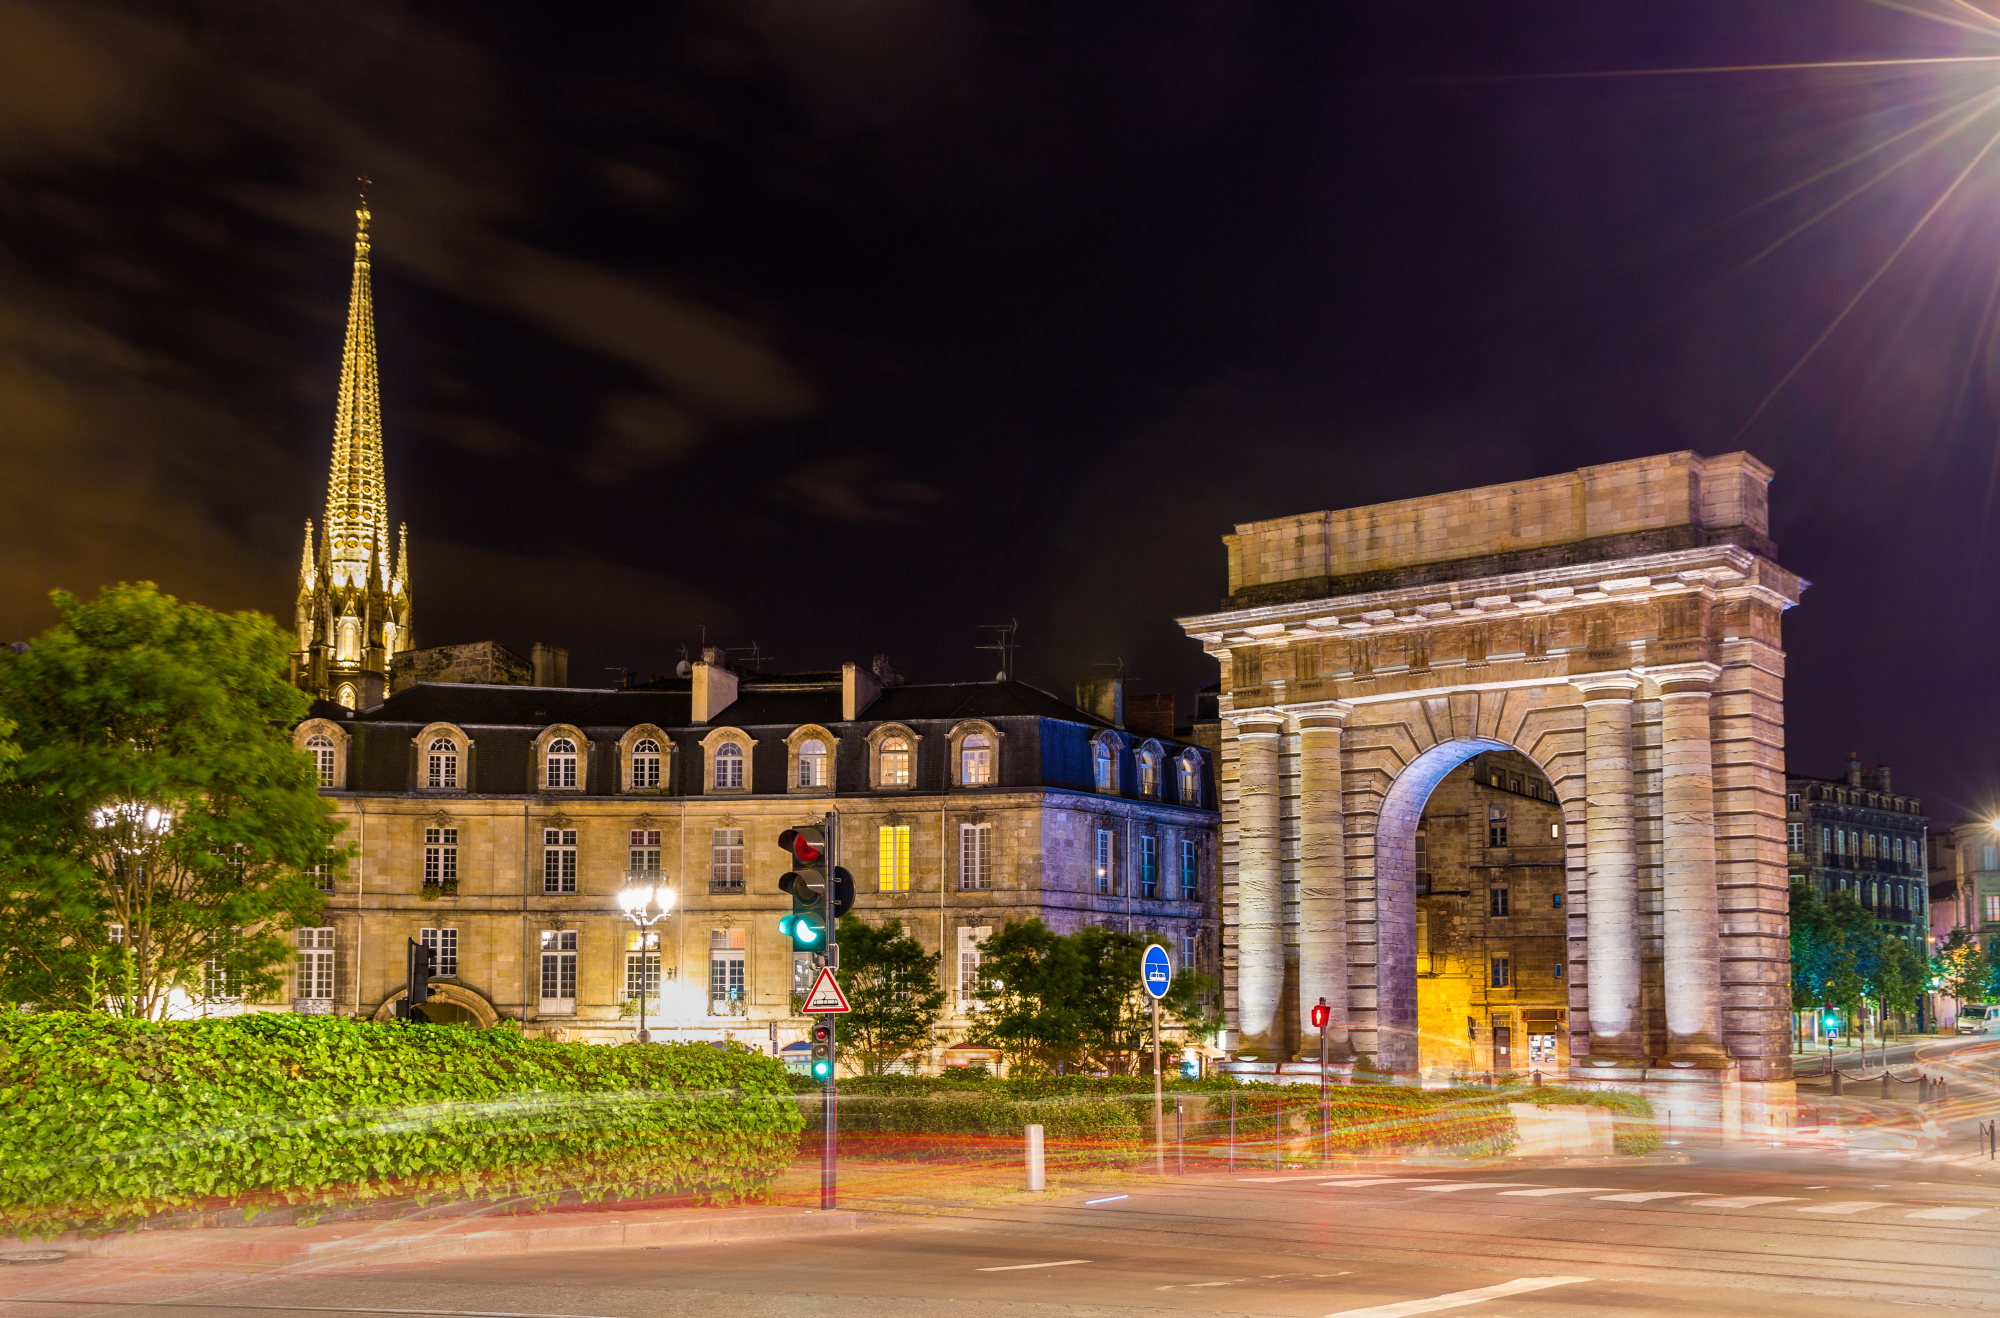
114	1121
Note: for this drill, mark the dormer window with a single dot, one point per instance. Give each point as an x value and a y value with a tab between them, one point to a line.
729	766
1149	772
443	764
321	747
645	763
975	761
895	763
812	763
561	760
1190	779
1103	767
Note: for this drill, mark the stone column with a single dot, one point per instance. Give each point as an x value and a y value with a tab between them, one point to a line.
1692	944
1260	896
1322	882
1611	894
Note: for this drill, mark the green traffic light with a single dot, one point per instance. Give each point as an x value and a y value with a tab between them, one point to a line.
822	1069
805	932
785	924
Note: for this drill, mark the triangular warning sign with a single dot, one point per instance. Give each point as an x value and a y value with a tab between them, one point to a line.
826	996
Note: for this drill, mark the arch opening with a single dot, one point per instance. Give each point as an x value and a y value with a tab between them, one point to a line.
1471	881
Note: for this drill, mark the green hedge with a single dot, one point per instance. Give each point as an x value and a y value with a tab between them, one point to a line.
112	1121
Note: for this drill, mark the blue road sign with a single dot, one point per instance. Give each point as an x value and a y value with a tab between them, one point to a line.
1155	971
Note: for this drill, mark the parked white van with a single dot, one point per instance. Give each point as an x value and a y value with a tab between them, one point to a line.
1979	1020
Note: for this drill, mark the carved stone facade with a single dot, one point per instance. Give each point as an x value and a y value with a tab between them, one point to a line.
1619	627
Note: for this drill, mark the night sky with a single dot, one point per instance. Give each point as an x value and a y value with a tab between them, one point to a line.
846	326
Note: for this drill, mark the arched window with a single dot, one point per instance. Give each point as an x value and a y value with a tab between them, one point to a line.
975	760
1190	779
1149	772
894	769
443	764
1103	768
812	763
345	696
347	641
729	766
562	763
645	763
321	747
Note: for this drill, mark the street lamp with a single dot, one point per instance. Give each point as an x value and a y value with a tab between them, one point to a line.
644	906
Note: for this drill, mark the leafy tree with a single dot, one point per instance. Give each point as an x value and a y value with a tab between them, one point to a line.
1055	1002
1828	950
891	983
1958	968
157	790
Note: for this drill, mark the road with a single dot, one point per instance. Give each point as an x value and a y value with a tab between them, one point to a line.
1737	1229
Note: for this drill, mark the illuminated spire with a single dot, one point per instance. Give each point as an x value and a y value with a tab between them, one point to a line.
357	505
308	579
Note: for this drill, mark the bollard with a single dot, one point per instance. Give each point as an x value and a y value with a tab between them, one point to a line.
1836	1081
1232	1130
1886	1091
1036	1179
1180	1137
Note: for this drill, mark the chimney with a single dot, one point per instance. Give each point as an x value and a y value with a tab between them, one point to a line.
858	688
714	686
1854	768
1151	716
1882	779
1104	697
551	664
885	672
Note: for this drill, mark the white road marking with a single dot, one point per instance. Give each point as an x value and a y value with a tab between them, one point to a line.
1852	1206
1296	1176
1457	1299
1949	1214
1645	1195
1022	1267
1450	1186
1557	1189
1745	1201
1380	1180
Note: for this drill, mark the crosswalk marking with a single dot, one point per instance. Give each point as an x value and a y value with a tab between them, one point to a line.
1852	1206
1449	1186
1745	1201
1376	1180
1457	1299
1948	1214
1645	1196
1557	1189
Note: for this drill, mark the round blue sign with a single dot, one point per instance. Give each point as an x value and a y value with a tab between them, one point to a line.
1155	971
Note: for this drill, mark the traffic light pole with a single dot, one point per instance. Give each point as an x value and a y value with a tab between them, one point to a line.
829	1188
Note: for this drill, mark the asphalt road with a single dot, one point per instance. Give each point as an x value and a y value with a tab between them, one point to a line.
1739	1229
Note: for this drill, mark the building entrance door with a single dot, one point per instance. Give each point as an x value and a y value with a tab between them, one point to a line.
1503	1047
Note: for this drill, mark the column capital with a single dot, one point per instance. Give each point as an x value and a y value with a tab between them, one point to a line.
1685	679
1323	716
1606	687
1258	723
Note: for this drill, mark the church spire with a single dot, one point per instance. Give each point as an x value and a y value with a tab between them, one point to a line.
357	504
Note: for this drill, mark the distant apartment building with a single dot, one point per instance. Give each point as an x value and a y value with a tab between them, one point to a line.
1855	834
1492	991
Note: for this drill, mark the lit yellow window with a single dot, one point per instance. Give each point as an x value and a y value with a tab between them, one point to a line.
893	868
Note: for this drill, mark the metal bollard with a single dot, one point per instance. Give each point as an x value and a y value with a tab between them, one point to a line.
1886	1092
1036	1178
1836	1081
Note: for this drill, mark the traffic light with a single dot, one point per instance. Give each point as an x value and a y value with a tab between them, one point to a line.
822	1059
1321	1014
418	965
806	924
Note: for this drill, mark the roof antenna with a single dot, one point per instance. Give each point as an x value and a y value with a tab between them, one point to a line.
1004	642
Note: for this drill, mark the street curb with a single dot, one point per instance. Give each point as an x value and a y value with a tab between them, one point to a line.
458	1238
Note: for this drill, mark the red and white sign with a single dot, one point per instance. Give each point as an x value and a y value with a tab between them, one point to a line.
826	997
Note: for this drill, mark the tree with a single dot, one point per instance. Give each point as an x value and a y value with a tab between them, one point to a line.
1055	1002
157	791
1960	970
891	983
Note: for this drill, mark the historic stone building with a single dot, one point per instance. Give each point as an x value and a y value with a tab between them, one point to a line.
1856	835
1492	931
1617	626
497	823
353	612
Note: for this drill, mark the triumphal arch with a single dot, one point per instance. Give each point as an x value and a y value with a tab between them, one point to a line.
1619	626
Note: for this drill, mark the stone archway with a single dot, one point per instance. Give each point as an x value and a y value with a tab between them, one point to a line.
473	1004
1619	626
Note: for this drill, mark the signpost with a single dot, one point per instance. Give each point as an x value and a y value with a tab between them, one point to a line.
821	893
1321	1015
1156	973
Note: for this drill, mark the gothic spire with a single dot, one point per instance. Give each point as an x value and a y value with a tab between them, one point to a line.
357	505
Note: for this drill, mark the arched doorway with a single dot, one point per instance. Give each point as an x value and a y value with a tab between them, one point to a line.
450	1004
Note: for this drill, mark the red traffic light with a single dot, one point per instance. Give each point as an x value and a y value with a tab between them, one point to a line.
1321	1015
807	845
821	1033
